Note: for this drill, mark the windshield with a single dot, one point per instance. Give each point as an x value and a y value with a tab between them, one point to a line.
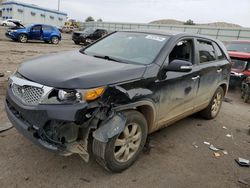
238	47
239	64
140	48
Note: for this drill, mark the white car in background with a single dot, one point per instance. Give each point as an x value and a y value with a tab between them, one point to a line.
9	22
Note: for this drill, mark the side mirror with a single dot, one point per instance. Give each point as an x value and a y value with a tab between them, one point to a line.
179	66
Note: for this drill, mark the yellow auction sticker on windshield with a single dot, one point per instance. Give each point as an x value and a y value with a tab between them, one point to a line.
154	37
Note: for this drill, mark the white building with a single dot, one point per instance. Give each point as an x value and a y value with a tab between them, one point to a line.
29	14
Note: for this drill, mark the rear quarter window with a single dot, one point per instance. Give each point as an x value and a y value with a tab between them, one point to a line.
206	51
219	52
47	28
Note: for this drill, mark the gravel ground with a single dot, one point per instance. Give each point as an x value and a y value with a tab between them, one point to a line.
173	161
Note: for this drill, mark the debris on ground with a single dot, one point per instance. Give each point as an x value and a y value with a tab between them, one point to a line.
243	162
225	152
216	154
228	100
206	143
1	74
199	124
224	127
86	180
212	147
5	126
229	135
194	144
244	181
8	71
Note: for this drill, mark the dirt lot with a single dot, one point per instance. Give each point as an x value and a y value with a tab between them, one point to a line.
173	161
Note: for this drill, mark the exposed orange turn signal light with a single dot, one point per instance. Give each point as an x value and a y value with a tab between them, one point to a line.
93	94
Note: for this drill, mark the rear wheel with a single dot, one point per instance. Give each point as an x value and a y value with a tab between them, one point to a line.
23	38
246	94
54	40
214	106
122	150
4	24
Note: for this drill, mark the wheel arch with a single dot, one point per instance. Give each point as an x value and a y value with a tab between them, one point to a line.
55	35
147	108
224	87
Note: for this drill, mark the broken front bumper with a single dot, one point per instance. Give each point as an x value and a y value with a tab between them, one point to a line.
30	121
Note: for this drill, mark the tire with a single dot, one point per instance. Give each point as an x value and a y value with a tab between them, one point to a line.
22	38
246	94
213	109
77	42
54	40
5	25
116	158
245	99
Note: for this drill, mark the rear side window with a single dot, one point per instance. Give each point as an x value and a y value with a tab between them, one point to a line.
47	28
220	54
206	51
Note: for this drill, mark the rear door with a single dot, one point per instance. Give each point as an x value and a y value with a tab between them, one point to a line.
209	71
179	89
47	30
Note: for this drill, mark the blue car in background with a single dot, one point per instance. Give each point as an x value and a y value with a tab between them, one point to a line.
46	33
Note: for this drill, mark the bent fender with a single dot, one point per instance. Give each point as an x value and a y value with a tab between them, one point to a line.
110	128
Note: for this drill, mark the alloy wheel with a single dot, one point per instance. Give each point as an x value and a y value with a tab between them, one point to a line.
128	143
23	38
216	104
55	40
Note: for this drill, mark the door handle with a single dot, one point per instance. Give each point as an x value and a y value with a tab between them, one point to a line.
195	77
219	70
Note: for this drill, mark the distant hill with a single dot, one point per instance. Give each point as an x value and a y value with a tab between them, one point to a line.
178	22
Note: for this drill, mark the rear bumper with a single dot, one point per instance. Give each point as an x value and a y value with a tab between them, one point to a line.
30	120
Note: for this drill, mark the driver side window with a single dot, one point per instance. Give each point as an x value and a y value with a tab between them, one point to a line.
37	28
183	50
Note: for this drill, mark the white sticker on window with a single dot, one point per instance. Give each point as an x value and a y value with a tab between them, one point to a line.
154	37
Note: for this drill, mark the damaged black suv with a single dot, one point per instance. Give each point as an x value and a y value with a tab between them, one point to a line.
106	98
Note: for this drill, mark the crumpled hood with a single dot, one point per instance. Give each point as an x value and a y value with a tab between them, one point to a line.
76	70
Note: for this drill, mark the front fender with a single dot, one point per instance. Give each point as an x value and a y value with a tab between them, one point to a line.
110	128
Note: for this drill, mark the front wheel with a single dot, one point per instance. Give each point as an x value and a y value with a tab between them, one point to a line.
122	150
23	38
54	40
214	106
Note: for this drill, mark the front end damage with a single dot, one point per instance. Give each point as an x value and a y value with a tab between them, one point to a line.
67	129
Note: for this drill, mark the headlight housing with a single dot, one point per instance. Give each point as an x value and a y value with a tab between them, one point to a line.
70	96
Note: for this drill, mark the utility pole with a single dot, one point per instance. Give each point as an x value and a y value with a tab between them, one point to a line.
59	1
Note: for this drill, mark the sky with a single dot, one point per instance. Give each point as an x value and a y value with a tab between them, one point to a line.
144	11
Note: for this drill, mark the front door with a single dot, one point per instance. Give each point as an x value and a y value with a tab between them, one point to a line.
179	89
36	32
